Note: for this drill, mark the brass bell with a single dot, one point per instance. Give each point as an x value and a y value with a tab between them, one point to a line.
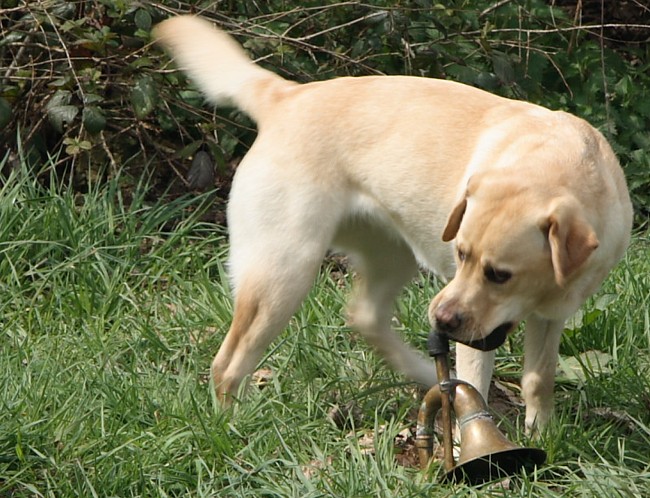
485	453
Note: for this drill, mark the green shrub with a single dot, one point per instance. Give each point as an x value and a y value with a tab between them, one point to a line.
82	77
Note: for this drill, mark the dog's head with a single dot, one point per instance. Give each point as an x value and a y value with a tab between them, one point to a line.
517	251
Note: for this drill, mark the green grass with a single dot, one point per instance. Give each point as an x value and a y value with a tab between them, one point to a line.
110	314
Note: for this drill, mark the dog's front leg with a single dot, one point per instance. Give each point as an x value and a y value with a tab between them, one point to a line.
475	367
541	348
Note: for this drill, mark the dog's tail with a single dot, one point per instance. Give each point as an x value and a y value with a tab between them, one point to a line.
218	64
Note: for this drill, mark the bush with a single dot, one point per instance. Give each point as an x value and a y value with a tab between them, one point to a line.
83	78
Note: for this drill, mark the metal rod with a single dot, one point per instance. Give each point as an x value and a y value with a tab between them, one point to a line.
438	346
425	433
442	368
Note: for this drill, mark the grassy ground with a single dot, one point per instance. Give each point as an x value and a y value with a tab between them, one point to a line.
110	315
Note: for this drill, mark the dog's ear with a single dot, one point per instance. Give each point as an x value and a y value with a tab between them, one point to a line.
457	213
570	237
453	222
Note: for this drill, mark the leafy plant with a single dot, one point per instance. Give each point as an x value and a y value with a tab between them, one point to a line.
85	72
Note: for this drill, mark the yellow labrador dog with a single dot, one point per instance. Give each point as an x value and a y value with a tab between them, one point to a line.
523	210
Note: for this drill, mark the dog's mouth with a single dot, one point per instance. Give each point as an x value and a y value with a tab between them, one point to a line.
493	340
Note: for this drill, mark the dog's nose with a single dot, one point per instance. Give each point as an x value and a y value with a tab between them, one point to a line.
447	320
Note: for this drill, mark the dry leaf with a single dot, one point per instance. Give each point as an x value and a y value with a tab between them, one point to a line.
345	416
616	417
315	466
262	377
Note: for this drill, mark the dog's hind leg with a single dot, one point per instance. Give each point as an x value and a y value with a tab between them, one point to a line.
384	264
278	238
264	303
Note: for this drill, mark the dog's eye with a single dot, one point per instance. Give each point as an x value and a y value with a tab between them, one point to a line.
461	255
496	276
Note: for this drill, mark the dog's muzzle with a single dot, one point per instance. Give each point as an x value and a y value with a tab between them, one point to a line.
492	341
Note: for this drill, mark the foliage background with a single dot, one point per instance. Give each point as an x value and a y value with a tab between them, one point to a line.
80	80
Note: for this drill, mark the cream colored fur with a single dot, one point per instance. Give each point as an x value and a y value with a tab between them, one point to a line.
385	168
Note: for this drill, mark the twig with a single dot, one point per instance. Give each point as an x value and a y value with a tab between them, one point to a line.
585	27
65	49
338	26
111	159
602	64
493	8
13	67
